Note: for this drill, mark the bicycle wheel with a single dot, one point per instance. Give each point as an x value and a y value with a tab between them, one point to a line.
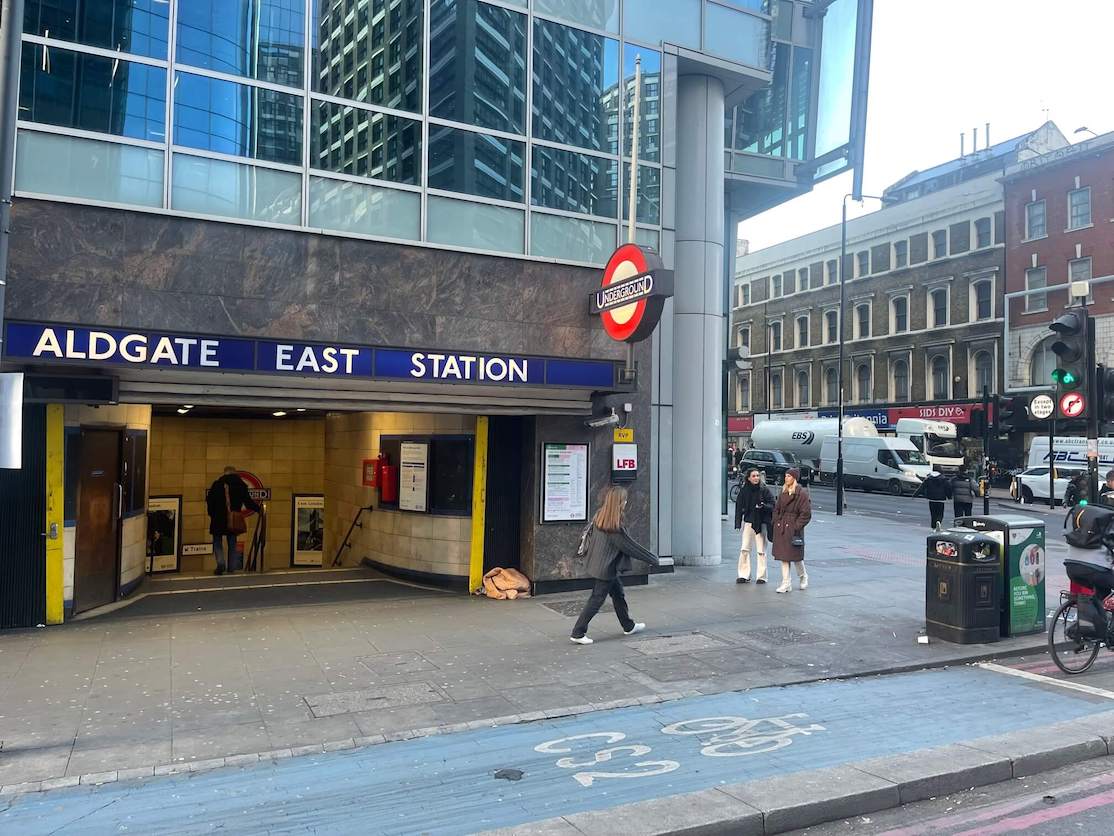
733	493
1071	655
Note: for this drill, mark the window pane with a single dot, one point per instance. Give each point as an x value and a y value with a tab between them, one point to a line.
573	182
478	65
365	52
653	21
982	233
351	140
598	14
735	35
983	307
1034	220
261	39
574	239
901	253
237	119
87	168
1079	205
234	190
759	122
136	26
649	194
1036	279
451	461
576	87
649	106
1079	270
364	209
461	223
837	69
60	87
647	238
472	163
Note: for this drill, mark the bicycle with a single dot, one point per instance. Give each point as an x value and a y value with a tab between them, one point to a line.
1072	652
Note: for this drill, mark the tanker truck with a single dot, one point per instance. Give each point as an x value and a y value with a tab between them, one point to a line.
804	438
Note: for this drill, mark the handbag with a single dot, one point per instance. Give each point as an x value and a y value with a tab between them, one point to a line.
798	541
236	523
585	538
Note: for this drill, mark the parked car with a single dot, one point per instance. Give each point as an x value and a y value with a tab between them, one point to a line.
1031	484
773	464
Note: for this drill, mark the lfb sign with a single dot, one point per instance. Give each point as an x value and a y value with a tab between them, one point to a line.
624	462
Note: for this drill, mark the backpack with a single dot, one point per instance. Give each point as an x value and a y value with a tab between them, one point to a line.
585	539
1089	525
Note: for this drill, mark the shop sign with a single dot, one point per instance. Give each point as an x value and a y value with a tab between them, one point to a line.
740	424
879	417
956	413
633	293
90	346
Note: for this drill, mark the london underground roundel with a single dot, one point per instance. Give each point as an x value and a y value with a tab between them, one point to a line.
633	293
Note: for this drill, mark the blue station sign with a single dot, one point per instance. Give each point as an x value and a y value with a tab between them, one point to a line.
44	342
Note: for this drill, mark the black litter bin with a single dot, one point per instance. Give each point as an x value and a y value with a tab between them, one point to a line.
963	587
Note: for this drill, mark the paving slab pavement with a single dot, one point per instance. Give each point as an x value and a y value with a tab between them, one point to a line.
135	691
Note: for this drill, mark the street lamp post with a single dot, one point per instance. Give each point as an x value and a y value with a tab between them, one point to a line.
839	369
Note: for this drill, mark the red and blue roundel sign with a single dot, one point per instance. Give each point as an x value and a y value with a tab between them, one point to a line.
635	287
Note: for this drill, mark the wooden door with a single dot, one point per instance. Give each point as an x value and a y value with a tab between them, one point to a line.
97	550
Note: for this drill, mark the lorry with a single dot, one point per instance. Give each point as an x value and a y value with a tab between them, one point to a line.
937	440
804	437
883	463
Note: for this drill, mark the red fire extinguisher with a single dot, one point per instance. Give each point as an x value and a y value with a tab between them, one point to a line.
388	483
380	463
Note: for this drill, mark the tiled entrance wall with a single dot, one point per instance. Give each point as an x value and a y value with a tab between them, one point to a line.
427	543
133	540
187	454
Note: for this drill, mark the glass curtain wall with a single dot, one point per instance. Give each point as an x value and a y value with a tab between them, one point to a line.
461	122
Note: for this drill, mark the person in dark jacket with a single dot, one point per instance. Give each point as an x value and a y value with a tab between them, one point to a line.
963	493
937	490
610	550
792	512
227	493
754	514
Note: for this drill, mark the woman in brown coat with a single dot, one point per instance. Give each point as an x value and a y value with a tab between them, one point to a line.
792	513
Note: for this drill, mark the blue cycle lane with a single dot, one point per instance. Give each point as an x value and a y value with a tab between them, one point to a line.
447	784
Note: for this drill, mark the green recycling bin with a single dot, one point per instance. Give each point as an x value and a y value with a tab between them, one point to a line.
1024	569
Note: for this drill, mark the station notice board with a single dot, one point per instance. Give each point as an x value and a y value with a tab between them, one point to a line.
565	482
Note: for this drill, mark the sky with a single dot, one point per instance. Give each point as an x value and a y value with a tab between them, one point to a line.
942	67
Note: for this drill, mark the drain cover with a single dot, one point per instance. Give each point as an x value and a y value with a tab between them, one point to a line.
571	609
509	774
781	634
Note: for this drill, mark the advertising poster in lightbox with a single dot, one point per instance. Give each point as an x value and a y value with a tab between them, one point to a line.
164	520
413	470
564	482
307	535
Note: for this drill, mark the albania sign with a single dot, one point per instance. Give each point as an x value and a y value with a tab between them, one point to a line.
635	287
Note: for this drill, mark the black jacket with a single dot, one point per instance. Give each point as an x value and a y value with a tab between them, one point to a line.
963	489
609	553
935	489
238	499
755	505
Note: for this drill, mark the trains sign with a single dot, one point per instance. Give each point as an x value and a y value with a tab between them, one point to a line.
630	300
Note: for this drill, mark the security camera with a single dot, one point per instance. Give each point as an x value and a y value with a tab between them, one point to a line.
611	419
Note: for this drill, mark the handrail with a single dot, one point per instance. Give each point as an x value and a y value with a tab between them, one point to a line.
254	561
355	522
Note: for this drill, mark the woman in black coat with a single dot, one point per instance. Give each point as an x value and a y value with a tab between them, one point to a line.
610	550
754	514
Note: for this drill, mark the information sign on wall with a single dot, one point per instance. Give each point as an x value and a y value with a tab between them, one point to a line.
164	520
413	470
564	483
307	535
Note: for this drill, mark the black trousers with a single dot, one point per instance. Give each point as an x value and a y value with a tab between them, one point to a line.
600	591
962	509
936	512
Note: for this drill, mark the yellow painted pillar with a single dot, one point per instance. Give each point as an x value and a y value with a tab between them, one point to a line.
479	506
55	515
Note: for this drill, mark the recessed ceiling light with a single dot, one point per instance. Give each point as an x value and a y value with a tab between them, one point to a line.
183	412
187	406
301	409
278	414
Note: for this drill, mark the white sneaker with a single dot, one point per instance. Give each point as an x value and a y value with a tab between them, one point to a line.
581	640
637	628
785	587
804	581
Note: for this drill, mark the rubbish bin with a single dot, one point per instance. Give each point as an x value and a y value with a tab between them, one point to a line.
1023	567
963	587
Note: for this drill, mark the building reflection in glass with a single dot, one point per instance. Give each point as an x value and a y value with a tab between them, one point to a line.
260	39
139	27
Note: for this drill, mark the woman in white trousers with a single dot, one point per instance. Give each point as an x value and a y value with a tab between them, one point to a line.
753	515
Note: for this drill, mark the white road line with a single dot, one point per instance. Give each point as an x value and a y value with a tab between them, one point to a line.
1048	680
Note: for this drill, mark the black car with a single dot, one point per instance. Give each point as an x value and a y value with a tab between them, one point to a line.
774	464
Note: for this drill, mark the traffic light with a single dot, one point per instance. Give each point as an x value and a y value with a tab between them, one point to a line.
1011	413
1106	393
1073	364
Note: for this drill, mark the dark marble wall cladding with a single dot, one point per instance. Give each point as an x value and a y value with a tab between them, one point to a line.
98	266
549	551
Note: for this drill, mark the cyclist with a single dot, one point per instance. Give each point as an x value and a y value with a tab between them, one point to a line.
1090	559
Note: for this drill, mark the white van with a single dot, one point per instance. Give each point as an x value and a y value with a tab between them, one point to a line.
1070	452
883	464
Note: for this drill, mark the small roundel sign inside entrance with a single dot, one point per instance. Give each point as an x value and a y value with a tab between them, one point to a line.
633	293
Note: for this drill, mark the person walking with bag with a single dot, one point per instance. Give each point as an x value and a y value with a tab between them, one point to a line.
936	489
225	501
792	512
754	510
963	494
609	550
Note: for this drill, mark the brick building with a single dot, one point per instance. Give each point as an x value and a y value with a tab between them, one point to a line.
924	306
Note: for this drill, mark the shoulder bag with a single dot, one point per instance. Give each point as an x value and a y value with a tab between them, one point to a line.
236	523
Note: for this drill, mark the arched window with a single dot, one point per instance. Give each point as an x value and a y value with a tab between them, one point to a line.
862	377
939	369
831	384
775	390
775	336
802	331
803	398
1042	364
901	380
984	373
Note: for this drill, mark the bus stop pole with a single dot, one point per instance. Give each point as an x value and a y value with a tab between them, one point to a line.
1052	462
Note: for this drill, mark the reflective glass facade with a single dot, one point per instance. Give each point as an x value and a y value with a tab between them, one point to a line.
501	125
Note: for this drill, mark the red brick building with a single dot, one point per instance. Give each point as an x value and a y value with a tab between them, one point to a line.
1059	228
